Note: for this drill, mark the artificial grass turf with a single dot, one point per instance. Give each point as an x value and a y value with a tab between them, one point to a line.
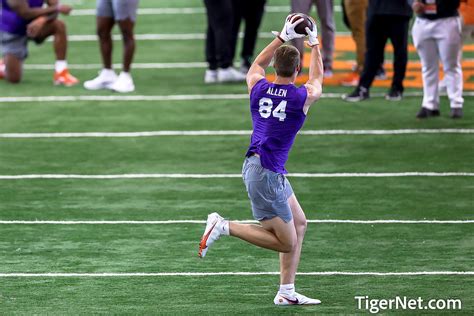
234	295
166	248
223	154
175	199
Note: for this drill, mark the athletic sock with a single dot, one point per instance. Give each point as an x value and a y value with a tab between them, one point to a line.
288	289
60	65
225	228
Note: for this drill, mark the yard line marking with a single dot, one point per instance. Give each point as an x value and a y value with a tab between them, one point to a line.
165	222
233	132
199	274
135	66
175	97
193	10
158	37
232	175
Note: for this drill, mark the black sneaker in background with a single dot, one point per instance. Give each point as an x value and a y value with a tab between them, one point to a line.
359	94
426	113
394	95
456	113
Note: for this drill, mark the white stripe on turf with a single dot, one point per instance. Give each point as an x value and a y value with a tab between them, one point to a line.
194	10
199	274
233	175
118	66
234	132
313	221
176	97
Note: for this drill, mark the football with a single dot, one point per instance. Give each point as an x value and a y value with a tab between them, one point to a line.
301	28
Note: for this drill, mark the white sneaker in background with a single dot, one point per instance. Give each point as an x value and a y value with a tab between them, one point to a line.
294	299
215	227
230	74
104	80
210	76
124	83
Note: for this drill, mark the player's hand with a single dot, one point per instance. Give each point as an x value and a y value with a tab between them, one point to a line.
288	32
418	7
34	27
64	9
312	34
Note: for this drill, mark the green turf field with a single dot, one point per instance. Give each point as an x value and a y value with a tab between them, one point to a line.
104	259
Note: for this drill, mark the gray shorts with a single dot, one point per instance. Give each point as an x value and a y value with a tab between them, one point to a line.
14	44
118	9
268	191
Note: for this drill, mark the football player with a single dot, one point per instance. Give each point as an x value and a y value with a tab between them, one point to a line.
278	111
26	20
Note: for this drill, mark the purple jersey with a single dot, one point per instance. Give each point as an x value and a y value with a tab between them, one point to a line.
11	22
277	116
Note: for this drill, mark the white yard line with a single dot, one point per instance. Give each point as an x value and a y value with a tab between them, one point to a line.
186	65
312	221
231	133
177	97
204	274
193	10
232	175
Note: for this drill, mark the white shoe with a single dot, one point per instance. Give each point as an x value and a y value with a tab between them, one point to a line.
230	74
214	230
295	299
104	80
124	83
210	76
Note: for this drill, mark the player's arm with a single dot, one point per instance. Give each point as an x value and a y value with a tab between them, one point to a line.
314	85
257	70
22	8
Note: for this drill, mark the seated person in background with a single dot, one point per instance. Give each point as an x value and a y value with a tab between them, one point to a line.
23	20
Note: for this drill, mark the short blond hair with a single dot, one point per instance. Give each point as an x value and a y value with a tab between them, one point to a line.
286	60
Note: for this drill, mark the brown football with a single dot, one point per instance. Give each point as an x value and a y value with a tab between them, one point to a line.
301	28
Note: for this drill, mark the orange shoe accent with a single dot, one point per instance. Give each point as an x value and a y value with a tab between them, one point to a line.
65	78
202	244
351	80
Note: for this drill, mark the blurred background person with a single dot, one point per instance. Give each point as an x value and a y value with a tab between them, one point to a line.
251	11
328	29
437	36
355	16
386	19
124	12
24	20
220	43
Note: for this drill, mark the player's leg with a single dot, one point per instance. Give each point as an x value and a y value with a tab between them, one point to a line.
328	33
427	49
14	49
104	23
300	6
13	68
125	14
274	234
289	261
57	28
104	32
450	51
